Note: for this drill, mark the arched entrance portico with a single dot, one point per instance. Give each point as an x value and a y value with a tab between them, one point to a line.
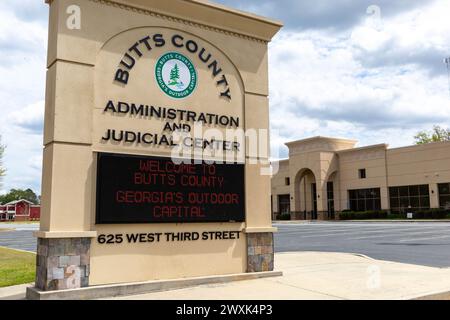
306	195
314	177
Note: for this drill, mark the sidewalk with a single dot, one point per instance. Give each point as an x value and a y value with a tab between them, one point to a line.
14	292
313	276
324	276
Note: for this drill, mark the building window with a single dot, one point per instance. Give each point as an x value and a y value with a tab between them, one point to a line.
284	204
362	173
416	197
365	199
444	195
287	181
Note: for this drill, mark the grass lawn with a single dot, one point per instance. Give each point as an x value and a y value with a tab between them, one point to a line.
16	267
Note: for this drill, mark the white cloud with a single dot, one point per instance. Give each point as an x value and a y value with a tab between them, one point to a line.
358	84
332	73
30	117
23	42
420	37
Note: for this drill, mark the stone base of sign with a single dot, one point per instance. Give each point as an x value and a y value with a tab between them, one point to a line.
62	263
124	289
260	252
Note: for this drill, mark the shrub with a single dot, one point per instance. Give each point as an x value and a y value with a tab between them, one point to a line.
284	216
431	214
422	214
363	215
397	216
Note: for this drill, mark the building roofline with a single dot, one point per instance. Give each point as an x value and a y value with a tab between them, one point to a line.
383	146
245	14
422	145
322	138
386	146
17	201
280	160
206	13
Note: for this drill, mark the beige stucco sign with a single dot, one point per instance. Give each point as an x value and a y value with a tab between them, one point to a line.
148	169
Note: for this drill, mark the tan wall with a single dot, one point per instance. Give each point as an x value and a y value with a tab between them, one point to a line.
298	165
425	164
305	202
144	261
278	184
374	161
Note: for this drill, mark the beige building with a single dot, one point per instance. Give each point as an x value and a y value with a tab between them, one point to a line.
324	176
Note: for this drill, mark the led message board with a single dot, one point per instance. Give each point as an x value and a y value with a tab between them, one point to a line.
138	189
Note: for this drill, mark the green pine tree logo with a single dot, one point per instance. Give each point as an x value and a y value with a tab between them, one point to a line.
171	71
174	76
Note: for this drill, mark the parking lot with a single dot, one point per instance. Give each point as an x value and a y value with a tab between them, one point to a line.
422	243
20	237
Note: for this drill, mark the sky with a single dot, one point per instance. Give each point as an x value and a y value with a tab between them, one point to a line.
366	70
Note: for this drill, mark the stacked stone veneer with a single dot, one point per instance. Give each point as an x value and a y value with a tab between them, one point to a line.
260	252
62	263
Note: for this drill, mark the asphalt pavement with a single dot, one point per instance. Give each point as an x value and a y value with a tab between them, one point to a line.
19	237
420	243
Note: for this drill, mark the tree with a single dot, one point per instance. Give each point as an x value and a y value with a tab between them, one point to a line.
17	194
174	75
438	134
2	170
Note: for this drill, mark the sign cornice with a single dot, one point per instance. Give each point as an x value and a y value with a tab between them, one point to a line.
121	4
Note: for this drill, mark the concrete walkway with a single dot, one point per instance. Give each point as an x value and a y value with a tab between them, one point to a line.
14	292
313	276
324	276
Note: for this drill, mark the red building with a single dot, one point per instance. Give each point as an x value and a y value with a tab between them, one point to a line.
20	210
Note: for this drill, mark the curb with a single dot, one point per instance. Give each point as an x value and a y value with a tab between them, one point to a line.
20	250
14	292
445	295
396	221
344	221
125	289
360	255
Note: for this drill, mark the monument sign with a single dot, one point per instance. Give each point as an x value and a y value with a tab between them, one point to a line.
150	168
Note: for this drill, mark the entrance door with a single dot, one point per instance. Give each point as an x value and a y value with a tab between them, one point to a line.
330	200
284	204
314	201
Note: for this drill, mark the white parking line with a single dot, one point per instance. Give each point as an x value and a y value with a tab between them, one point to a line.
422	239
359	225
367	228
384	232
402	234
363	225
306	232
310	230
